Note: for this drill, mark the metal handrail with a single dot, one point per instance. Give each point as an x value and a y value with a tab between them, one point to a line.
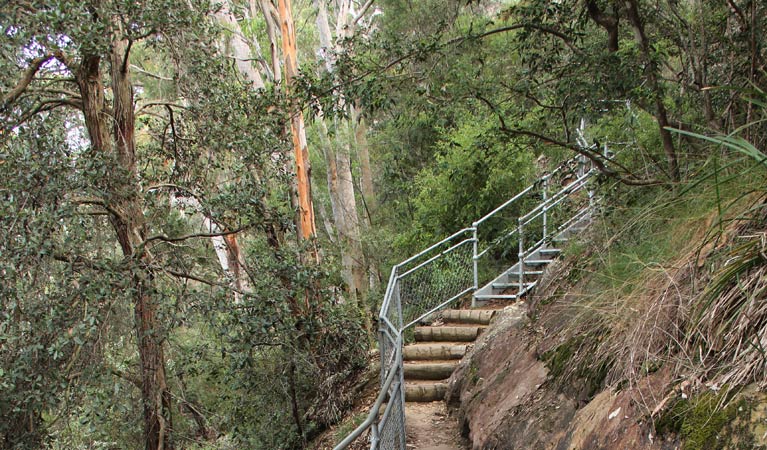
564	192
435	257
504	205
418	255
437	308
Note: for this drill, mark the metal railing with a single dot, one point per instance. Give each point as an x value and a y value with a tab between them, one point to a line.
529	220
452	268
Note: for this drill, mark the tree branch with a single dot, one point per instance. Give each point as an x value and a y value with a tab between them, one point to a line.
99	202
26	78
596	158
188	276
546	30
149	74
361	13
164	238
458	40
152	103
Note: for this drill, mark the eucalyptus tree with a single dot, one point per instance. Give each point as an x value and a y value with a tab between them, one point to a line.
336	145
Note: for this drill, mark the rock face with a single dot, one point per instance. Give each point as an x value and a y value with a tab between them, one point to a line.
505	399
505	395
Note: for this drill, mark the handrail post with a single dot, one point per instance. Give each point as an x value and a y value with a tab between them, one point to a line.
521	253
381	353
400	366
374	437
475	263
398	291
545	209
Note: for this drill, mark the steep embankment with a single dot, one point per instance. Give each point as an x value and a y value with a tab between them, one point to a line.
648	337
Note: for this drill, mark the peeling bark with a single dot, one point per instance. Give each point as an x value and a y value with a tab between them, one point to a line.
305	217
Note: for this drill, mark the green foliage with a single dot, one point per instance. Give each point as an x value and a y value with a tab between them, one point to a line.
475	169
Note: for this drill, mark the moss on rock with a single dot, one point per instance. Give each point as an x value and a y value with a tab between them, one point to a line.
703	423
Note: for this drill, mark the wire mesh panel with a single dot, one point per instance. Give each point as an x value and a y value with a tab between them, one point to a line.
439	280
392	428
391	309
388	347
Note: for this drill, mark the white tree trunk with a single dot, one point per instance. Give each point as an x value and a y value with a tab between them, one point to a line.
271	17
338	162
363	152
240	47
355	261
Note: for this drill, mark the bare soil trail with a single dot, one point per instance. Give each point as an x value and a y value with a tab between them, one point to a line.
430	427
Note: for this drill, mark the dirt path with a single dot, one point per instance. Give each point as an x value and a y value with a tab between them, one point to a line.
429	427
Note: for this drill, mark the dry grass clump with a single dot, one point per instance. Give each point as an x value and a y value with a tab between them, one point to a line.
728	331
696	303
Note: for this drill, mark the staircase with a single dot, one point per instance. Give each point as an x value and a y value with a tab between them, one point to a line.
431	359
421	289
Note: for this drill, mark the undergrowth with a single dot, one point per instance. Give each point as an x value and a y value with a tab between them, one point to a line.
669	277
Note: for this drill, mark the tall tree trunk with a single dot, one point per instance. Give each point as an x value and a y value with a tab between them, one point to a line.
348	208
369	200
240	47
127	219
363	152
339	167
305	218
270	17
653	81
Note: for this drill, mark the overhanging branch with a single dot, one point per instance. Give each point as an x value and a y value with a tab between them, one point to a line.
26	78
164	238
598	159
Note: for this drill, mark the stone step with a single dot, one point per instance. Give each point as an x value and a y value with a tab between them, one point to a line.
447	333
468	316
422	352
429	370
550	251
427	392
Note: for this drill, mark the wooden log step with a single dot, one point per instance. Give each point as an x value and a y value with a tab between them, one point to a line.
468	316
454	334
425	392
422	352
429	371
